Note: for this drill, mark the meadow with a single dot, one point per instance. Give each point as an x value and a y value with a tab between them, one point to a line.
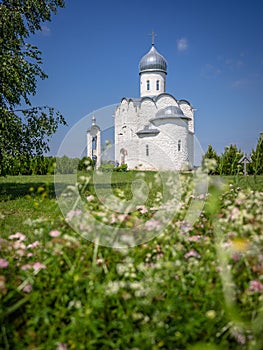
191	286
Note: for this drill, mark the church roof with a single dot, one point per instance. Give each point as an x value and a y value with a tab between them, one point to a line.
148	130
170	112
153	61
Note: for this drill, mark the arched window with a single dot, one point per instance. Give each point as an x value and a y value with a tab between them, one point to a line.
147	150
94	142
179	145
158	85
148	84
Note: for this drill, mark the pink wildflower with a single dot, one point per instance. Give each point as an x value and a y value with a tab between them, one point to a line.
185	227
142	209
54	233
26	267
33	245
19	245
3	263
39	266
27	288
62	346
192	253
18	235
113	219
90	198
20	252
152	225
255	286
122	217
154	208
195	238
234	213
73	213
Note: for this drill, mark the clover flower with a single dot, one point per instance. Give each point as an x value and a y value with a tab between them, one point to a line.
54	233
192	254
3	263
255	286
18	236
39	266
195	238
33	245
26	267
27	288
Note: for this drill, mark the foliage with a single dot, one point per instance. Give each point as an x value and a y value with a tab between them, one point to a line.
191	284
257	158
121	168
28	165
66	165
86	163
228	164
110	166
211	154
24	131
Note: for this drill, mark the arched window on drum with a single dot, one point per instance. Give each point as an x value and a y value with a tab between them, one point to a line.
148	85
179	145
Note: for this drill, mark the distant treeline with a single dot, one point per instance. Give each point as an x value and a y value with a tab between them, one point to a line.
231	161
40	165
228	163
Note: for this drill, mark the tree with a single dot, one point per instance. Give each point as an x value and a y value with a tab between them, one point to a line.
257	157
229	161
211	154
26	130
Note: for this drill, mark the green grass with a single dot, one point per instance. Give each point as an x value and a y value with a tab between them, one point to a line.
253	182
34	196
189	285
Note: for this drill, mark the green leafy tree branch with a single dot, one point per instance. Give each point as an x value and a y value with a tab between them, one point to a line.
26	130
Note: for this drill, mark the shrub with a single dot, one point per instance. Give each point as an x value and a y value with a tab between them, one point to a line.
66	165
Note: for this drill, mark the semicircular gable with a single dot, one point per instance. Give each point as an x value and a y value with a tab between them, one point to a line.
165	100
147	98
124	99
184	102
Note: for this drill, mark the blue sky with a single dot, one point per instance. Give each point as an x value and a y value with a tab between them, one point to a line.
214	49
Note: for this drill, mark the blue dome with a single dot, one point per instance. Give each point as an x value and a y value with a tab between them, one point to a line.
153	61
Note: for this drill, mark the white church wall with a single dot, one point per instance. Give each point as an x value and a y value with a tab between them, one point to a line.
160	152
188	111
191	149
146	111
174	132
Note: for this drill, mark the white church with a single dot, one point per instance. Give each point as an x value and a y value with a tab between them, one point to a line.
154	131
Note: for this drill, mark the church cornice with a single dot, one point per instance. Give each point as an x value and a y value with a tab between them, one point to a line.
138	101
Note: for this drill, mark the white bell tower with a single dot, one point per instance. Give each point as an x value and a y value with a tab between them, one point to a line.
94	143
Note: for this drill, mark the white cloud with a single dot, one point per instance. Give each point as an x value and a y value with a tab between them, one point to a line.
234	63
241	83
182	44
45	30
210	71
